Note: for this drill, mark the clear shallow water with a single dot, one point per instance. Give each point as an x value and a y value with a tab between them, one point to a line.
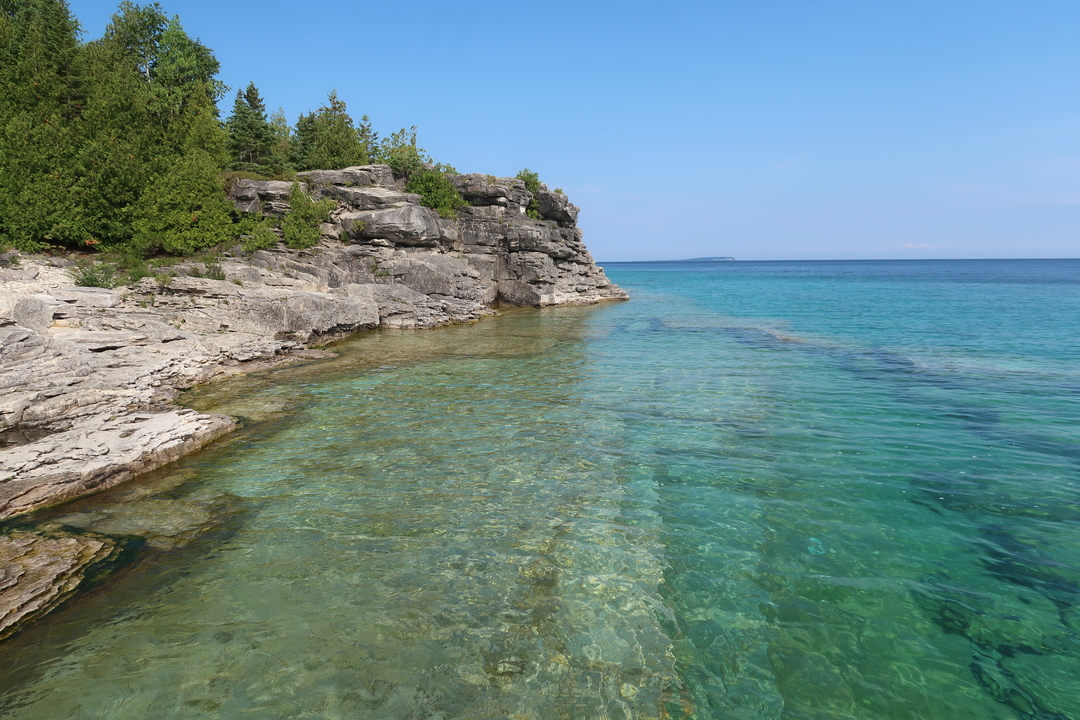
758	490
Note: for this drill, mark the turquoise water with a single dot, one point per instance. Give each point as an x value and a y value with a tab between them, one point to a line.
758	490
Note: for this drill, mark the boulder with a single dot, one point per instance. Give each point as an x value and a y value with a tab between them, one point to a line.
409	225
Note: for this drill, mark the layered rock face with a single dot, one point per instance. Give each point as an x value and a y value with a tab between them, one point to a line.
504	256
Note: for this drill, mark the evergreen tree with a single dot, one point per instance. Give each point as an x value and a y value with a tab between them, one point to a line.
149	90
185	209
86	130
402	154
281	143
303	142
369	139
337	143
251	137
39	99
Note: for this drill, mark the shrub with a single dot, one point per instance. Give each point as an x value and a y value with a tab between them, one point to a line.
300	227
91	274
262	237
532	184
436	191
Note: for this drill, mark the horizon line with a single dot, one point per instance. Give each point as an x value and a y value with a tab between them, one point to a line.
698	261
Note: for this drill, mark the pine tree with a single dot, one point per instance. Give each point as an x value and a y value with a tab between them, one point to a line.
337	143
281	146
149	90
402	154
250	135
39	98
303	142
369	139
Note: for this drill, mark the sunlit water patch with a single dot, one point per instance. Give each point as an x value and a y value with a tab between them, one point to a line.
775	490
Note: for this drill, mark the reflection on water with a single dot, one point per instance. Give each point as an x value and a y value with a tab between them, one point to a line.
764	492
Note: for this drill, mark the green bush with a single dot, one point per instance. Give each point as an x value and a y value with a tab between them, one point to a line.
436	191
301	225
532	184
94	274
261	236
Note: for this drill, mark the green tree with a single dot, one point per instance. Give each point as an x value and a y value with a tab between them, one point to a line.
436	191
39	101
300	228
303	142
281	143
251	137
185	209
336	141
369	139
150	97
532	184
402	154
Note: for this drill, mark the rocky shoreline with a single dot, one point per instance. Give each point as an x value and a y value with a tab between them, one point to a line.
88	375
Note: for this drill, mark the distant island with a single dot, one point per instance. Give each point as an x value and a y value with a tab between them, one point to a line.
710	259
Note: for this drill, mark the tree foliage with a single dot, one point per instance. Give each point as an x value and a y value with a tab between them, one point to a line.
86	130
402	154
185	210
116	144
436	191
300	228
532	184
251	137
328	139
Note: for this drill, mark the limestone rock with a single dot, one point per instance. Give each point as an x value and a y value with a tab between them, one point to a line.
39	570
268	197
358	176
98	452
409	225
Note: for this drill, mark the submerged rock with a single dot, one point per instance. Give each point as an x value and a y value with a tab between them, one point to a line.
39	570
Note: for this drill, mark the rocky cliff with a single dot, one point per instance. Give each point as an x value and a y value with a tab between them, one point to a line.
492	254
87	375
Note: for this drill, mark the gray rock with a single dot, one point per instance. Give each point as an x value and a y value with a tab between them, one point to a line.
40	570
555	206
409	225
268	197
359	176
370	198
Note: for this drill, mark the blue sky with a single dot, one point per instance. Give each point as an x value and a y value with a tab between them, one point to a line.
781	129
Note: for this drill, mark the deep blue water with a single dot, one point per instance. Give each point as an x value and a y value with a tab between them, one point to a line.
757	490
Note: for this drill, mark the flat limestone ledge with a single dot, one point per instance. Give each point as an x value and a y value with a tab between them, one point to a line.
101	451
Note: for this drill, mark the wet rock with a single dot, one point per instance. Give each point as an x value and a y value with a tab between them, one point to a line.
40	570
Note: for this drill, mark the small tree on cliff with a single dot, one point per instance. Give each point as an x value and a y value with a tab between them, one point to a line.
334	141
532	184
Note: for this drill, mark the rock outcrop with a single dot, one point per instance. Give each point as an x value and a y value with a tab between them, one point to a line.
87	375
505	256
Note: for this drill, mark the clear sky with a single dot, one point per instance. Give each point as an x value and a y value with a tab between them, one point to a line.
779	129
